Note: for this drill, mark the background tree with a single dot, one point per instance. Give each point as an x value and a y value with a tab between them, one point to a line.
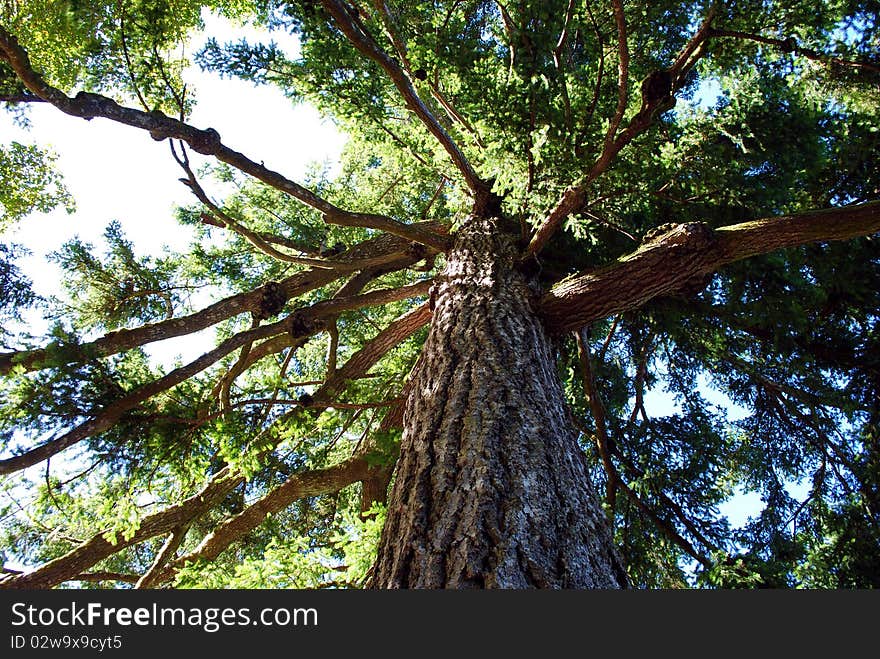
543	212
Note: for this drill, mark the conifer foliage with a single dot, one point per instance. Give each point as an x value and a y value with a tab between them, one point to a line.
436	366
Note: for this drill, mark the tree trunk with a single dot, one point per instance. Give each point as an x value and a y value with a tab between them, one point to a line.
491	489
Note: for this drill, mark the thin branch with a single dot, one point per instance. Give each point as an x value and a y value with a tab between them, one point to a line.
665	527
362	40
639	384
228	379
600	76
574	197
622	74
558	52
598	410
87	105
251	236
789	45
178	97
401	50
611	332
338	405
509	31
308	484
332	349
434	197
609	223
129	67
668	502
71	565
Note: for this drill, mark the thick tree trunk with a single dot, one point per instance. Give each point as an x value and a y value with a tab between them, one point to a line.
491	489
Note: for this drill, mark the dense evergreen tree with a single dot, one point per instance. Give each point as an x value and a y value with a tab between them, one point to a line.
430	370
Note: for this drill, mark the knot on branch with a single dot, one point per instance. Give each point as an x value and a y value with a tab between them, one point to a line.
89	106
301	325
159	129
272	300
692	287
205	141
336	248
417	251
657	92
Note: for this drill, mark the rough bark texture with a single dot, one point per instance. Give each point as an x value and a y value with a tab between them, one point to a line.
491	488
687	252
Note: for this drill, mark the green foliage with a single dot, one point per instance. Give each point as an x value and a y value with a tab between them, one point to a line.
120	288
15	288
294	562
770	371
29	182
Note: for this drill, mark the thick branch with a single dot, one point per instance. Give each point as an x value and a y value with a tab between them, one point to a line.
308	484
662	266
361	361
390	252
169	549
207	142
300	323
75	562
107	417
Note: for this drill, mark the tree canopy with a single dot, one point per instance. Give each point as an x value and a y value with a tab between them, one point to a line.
694	187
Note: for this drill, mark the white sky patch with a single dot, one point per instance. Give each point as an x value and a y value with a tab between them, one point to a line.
741	507
708	93
718	398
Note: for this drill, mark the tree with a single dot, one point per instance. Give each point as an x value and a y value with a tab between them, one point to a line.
431	370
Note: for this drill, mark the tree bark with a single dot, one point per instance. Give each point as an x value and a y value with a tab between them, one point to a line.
491	489
691	251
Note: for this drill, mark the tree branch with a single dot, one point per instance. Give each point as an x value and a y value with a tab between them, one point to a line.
107	417
664	265
390	253
364	42
597	408
790	46
400	48
87	106
165	521
73	563
307	484
165	554
622	74
226	221
301	323
575	196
